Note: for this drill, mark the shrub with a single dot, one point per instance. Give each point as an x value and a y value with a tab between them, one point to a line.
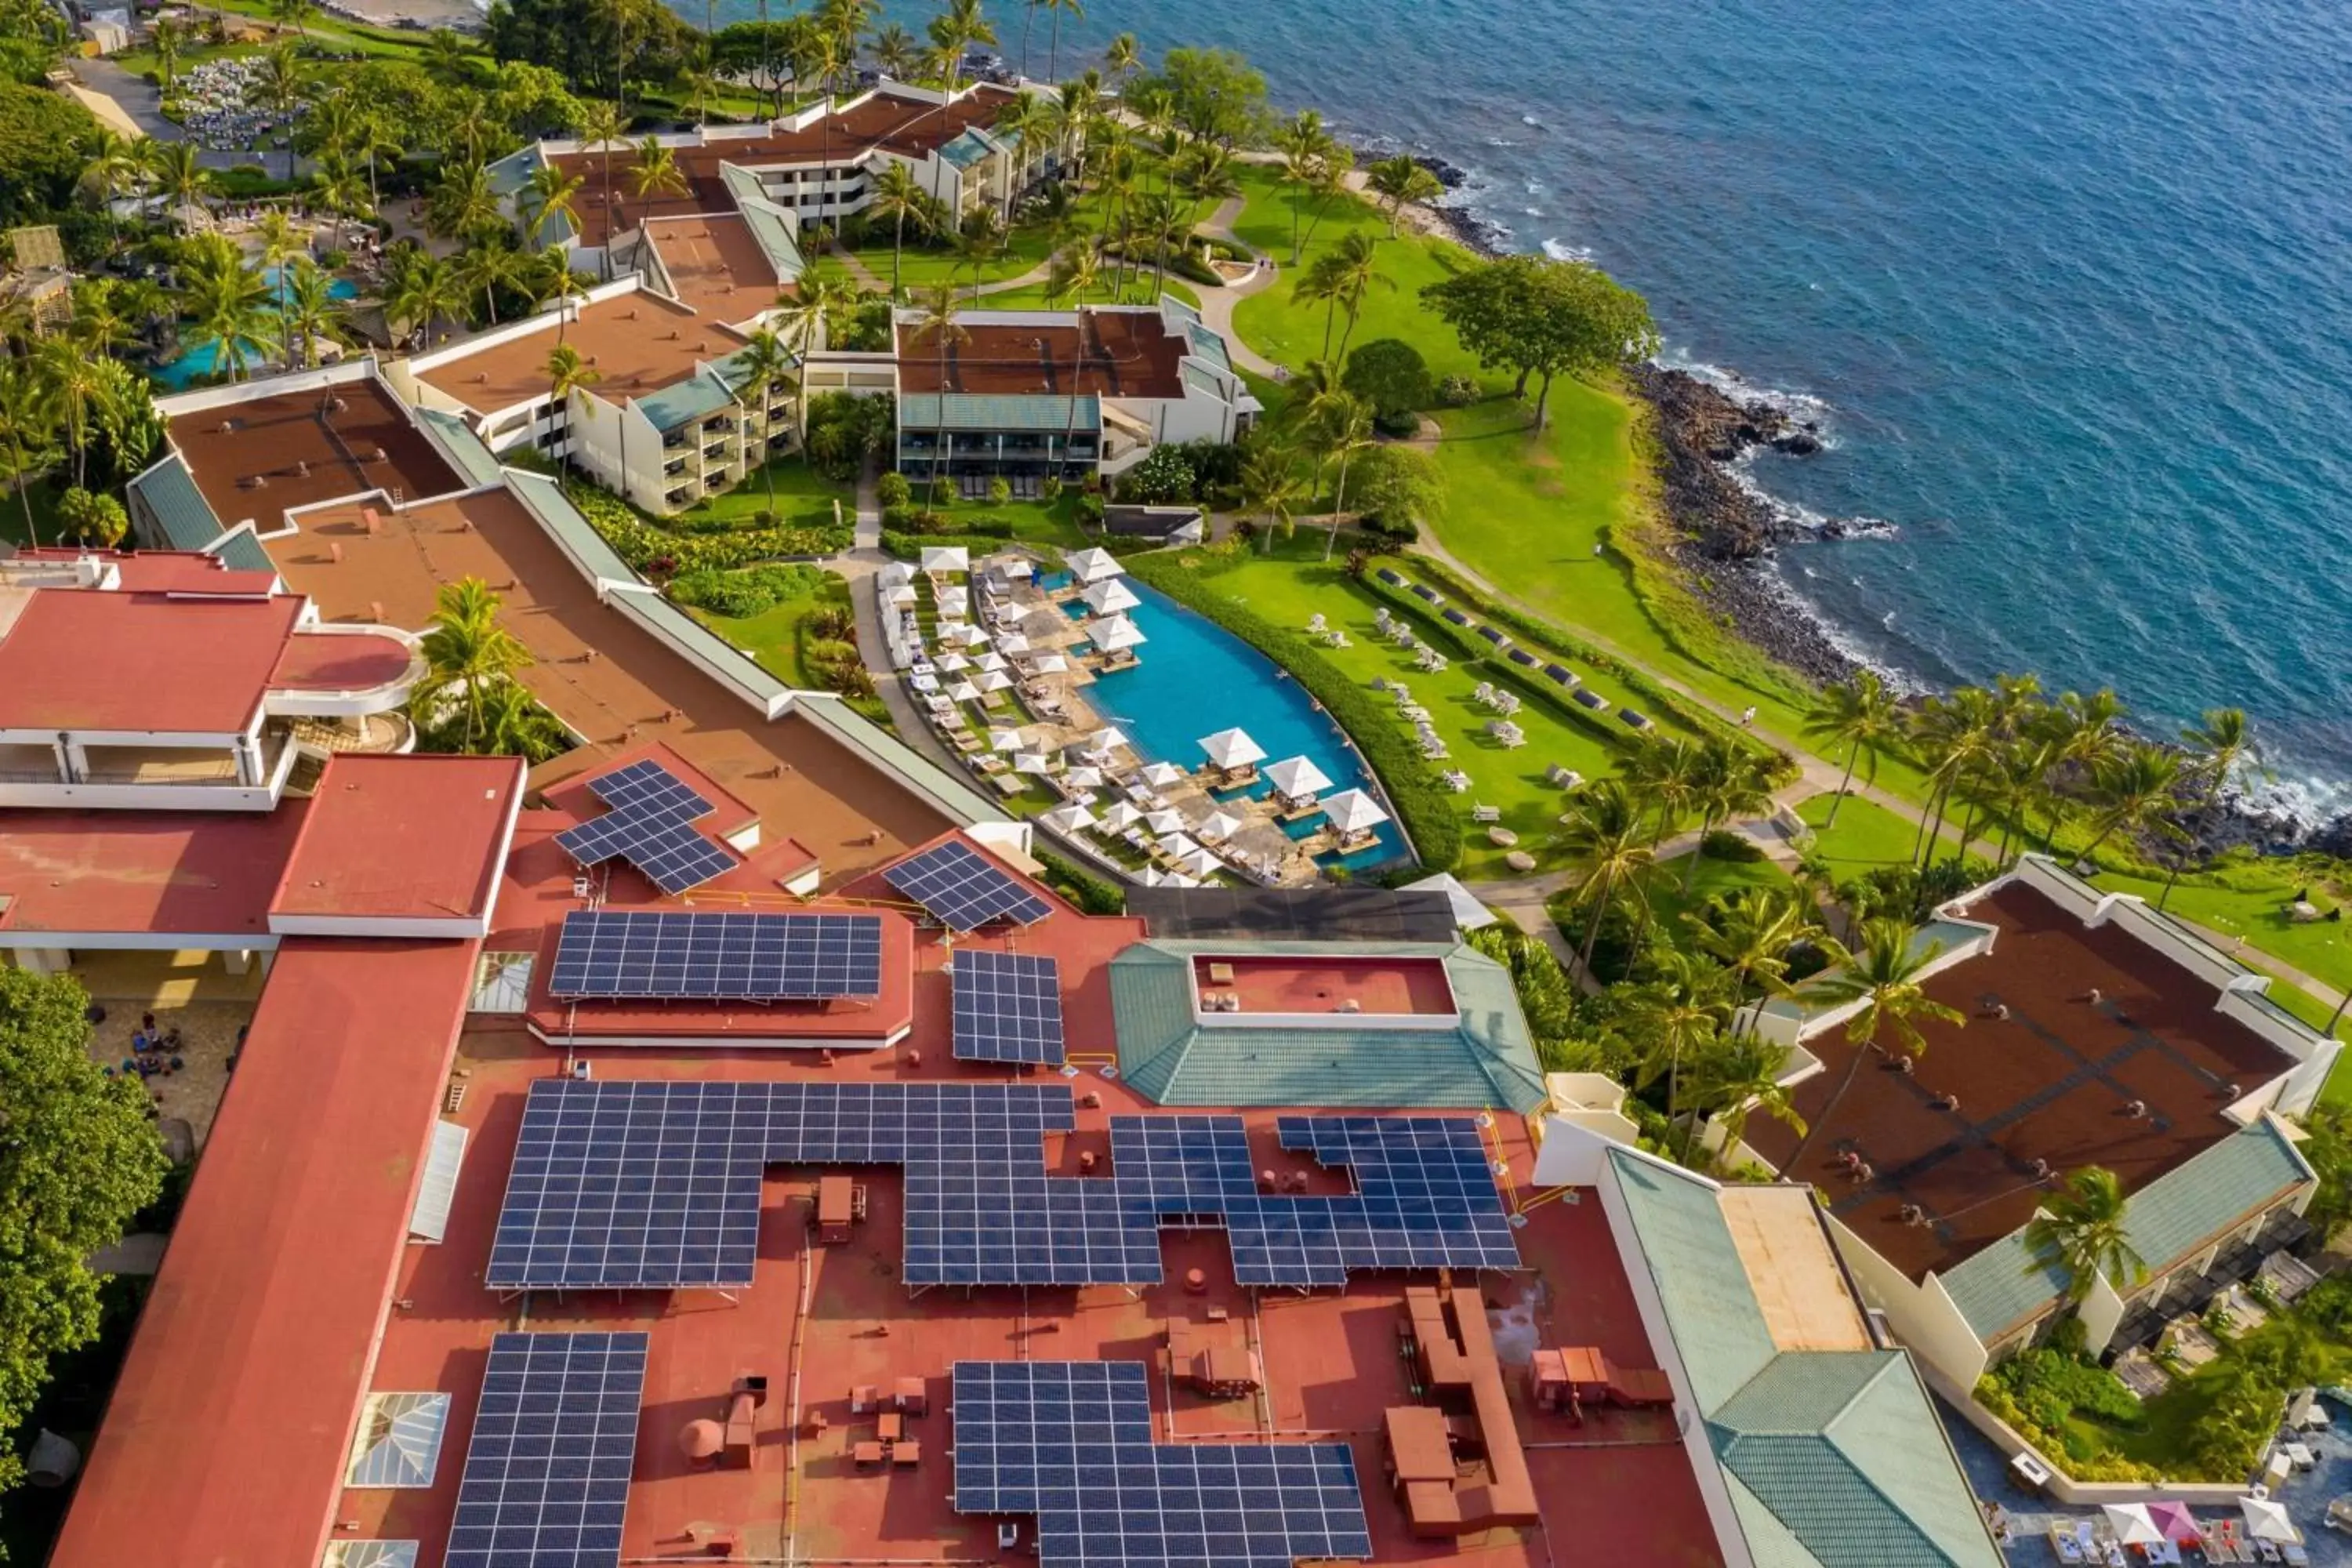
1457	391
893	489
1090	510
900	515
737	595
1723	844
655	551
1051	486
1000	491
1163	478
1389	374
845	429
97	519
1091	894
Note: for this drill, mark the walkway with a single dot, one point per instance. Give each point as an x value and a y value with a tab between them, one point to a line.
1217	304
857	568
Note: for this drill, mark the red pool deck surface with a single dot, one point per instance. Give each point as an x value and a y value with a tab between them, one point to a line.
1389	986
402	837
225	1442
183	873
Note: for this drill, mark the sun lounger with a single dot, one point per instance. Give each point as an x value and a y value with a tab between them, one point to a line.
2063	1541
1486	814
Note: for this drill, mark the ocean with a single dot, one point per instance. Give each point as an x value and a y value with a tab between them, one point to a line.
2066	281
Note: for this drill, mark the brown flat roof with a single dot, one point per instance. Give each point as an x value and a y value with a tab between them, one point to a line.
715	265
899	125
304	447
226	1439
189	873
604	676
78	658
637	343
402	837
2052	1082
1109	353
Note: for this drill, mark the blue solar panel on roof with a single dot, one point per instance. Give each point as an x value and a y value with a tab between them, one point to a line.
963	890
547	1472
650	824
1008	1008
667	954
1072	1443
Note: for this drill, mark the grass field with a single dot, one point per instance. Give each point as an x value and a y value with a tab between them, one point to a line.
778	638
801	496
1865	838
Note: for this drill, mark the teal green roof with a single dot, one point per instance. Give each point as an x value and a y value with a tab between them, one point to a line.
2178	1214
243	552
1833	1458
1486	1059
897	760
919	411
457	441
167	492
969	148
776	230
697	396
545	501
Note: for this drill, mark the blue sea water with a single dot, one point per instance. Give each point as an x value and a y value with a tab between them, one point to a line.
2067	281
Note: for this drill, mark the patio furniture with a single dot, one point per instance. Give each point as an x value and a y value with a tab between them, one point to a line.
1486	814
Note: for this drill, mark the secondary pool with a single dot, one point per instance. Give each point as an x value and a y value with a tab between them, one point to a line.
1197	678
200	356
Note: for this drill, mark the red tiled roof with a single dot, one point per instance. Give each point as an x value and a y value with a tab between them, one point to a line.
181	872
226	1439
165	571
78	660
402	837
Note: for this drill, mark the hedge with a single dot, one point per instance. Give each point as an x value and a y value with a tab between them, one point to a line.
1423	808
641	543
1091	894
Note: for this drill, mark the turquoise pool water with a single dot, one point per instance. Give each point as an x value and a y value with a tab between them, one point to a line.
200	356
1197	678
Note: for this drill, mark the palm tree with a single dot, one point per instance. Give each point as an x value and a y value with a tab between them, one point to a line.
654	173
2014	781
422	289
309	313
1271	487
2136	789
1733	781
486	268
1603	840
2086	729
1021	125
896	198
1751	934
1860	713
448	57
1207	177
169	36
1076	13
1882	982
1681	1013
567	373
549	277
896	53
809	312
179	178
1303	145
2221	742
979	243
1074	275
2081	1228
280	88
600	127
1663	775
466	647
28	432
1028	20
281	242
761	364
1345	429
1959	732
77	390
1746	1071
940	322
295	11
1327	185
335	184
1341	277
1123	57
549	195
99	323
117	166
1399	182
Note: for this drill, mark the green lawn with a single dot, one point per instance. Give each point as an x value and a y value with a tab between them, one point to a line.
801	496
922	267
778	638
1709	878
1865	838
1033	297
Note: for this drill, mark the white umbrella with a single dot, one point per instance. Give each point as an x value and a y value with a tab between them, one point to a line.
1159	775
1092	565
1113	633
2266	1520
995	680
1013	642
1231	749
951	662
895	573
1085	778
2131	1524
1353	811
1013	565
1107	738
954	602
925	682
991	660
1153	876
1297	776
899	595
1468	912
1069	818
947	557
1006	740
1180	844
1180	880
1221	825
1165	822
1120	816
1200	863
1032	762
1109	596
964	691
951	629
1048	663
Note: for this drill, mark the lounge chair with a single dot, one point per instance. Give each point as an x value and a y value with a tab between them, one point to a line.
1486	814
2062	1540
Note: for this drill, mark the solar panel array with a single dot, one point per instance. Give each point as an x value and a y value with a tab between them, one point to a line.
963	890
547	1474
650	823
620	1185
1071	1441
664	954
1008	1008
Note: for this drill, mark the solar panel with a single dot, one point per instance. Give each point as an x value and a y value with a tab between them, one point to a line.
1008	1008
963	890
547	1473
1072	1443
619	1185
650	824
662	953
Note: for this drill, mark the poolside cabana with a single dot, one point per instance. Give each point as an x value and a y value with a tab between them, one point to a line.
898	597
1161	775
895	574
1296	783
1071	818
1469	914
1109	596
942	560
1104	740
1354	815
1091	566
1220	826
1116	638
955	602
1165	822
1118	817
1234	757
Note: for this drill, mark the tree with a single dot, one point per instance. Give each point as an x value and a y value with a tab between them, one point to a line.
1881	984
760	365
74	386
486	269
600	127
1271	486
1751	934
1602	840
1389	374
1397	490
1306	148
895	52
179	178
1746	1071
1680	1013
1212	95
1956	733
281	241
419	290
296	14
1731	782
2136	790
448	57
1535	316
2081	1229
549	197
280	87
28	432
169	34
567	373
1076	13
1400	182
939	323
2221	743
93	518
1860	714
654	173
1342	276
117	166
311	314
896	198
467	647
1344	428
79	1160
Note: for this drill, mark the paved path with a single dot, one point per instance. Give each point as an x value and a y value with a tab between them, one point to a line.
1217	304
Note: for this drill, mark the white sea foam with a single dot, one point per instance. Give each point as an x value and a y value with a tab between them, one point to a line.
1532	212
1796	405
1903	682
1530	119
1560	250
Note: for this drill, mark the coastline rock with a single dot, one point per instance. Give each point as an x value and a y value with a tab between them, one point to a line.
1702	429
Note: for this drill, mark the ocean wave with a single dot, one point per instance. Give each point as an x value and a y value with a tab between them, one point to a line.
1796	405
1794	603
1532	212
1560	249
1531	120
2309	803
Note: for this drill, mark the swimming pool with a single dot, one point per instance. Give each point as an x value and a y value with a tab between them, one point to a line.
200	356
1197	678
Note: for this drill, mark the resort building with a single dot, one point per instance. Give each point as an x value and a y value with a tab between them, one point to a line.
2094	1032
663	415
1028	393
